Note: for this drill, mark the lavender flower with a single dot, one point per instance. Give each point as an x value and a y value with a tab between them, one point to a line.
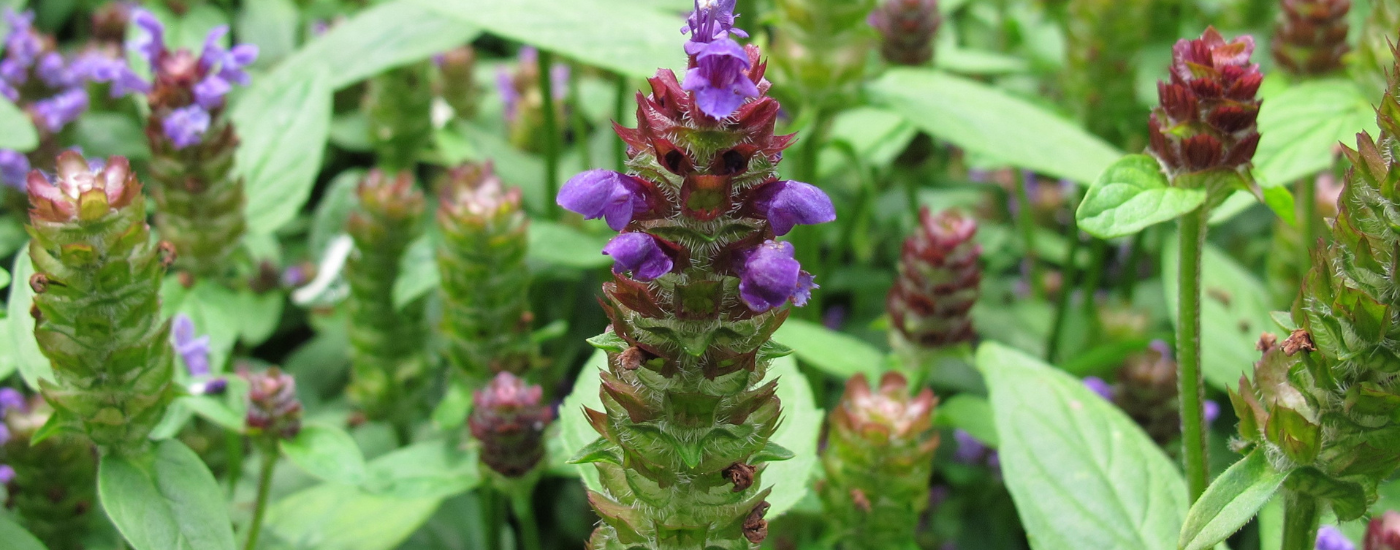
7	474
186	126
1331	538
14	167
1211	412
11	399
57	111
23	44
605	194
193	350
969	450
640	254
771	277
505	85
150	37
720	75
230	62
789	203
1099	386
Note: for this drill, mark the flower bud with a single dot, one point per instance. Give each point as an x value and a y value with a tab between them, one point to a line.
1311	36
274	411
907	29
1206	118
1382	533
1147	391
509	418
938	281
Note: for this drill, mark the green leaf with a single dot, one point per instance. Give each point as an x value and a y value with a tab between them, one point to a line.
1230	501
839	355
418	272
428	469
798	433
334	209
217	410
969	413
271	25
16	538
1131	195
876	136
632	39
103	134
1235	310
986	121
31	362
16	130
560	245
4	278
165	499
1300	127
341	517
227	316
380	38
1082	474
328	453
283	122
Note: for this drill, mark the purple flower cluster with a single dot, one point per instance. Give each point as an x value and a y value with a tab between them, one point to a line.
512	86
26	58
771	276
14	168
10	399
719	65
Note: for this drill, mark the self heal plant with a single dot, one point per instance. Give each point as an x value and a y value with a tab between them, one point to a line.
97	278
938	280
51	482
199	199
907	29
1202	138
698	288
1311	36
48	85
509	417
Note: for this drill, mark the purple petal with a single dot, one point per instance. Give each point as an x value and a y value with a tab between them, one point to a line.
1097	385
1211	411
186	126
506	87
59	110
1331	538
638	253
789	203
150	37
210	92
603	194
969	450
14	168
11	399
771	276
718	78
4	437
213	52
7	474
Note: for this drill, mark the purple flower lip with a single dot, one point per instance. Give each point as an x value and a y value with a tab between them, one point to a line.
770	277
186	126
640	254
60	110
193	350
14	168
606	194
712	20
790	203
1099	386
150	37
720	77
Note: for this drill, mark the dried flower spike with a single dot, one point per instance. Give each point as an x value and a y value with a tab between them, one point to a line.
938	281
1206	119
907	29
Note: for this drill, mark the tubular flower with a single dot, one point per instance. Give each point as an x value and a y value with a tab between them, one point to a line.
485	282
907	29
113	365
274	412
938	282
1206	119
1311	36
696	294
51	484
878	460
509	418
199	199
387	363
1324	400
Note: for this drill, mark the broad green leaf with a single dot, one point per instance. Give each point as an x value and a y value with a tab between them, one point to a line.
427	469
987	121
271	25
165	499
217	410
31	362
16	538
1230	501
1131	195
1300	127
103	134
838	355
1235	310
560	245
283	121
801	426
969	413
221	313
16	130
328	453
876	136
632	39
1082	474
333	210
418	272
388	35
341	517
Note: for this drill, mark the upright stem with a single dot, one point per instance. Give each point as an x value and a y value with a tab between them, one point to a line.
551	131
619	115
520	505
804	237
1188	351
1130	269
269	456
1300	519
1306	208
1052	347
1026	219
491	516
579	123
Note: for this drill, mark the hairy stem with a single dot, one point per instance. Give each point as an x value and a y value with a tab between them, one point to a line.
1306	209
269	462
551	131
1300	519
1188	347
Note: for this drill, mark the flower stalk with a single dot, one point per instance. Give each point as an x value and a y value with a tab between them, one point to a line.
274	415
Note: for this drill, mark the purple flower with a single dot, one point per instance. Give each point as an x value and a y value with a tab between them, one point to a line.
216	386
640	254
14	72
57	111
1212	411
14	168
124	81
193	350
559	80
11	399
1097	385
1331	538
150	36
770	277
606	194
54	71
719	79
511	98
970	450
23	44
712	20
230	62
209	93
186	126
7	474
789	203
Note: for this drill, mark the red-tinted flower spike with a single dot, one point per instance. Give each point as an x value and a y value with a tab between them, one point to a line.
509	418
1311	36
1208	110
273	407
907	29
938	281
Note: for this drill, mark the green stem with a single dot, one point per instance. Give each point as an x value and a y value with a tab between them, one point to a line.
805	237
233	444
1188	346
1098	258
521	506
269	462
619	115
1306	208
1300	519
1128	285
491	518
1052	346
1026	219
551	131
579	123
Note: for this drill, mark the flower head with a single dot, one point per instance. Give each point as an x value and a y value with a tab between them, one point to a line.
640	254
509	417
23	43
273	407
186	126
719	76
907	30
226	64
789	203
192	349
770	277
1383	533
606	194
1208	109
